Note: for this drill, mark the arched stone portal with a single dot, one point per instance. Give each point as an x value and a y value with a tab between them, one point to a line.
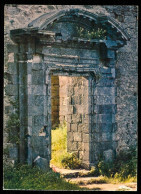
60	43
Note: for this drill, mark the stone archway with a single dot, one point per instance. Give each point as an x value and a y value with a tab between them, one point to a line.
53	44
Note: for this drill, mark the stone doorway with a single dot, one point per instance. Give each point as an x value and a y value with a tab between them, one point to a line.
52	45
70	104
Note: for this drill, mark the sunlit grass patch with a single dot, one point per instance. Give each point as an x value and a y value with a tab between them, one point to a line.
60	157
27	178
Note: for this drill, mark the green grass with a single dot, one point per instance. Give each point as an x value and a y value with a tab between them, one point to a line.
123	169
58	145
27	178
60	157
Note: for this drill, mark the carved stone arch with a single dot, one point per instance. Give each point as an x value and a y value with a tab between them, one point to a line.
43	21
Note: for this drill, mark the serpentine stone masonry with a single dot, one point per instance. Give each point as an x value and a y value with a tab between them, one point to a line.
63	76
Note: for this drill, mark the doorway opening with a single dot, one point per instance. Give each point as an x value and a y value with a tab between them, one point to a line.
70	121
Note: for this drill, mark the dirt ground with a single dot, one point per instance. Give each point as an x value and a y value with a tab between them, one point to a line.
81	178
112	187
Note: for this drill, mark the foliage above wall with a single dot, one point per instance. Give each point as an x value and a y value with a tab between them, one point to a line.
97	33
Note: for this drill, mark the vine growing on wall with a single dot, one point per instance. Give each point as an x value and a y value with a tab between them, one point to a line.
13	124
98	33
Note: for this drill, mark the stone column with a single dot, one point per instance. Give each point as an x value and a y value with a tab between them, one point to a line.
106	108
22	100
29	100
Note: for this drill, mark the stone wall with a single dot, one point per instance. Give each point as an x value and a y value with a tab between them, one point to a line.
55	101
126	74
63	81
78	117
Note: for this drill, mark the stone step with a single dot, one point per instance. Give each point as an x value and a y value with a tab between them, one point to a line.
86	180
71	173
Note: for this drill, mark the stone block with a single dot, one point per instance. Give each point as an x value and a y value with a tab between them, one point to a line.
110	54
42	163
114	137
80	127
86	146
77	136
37	66
11	90
38	120
11	57
83	127
96	109
34	110
70	136
106	137
62	92
12	68
8	109
12	48
29	130
114	127
76	100
29	67
22	70
69	118
39	141
11	78
109	99
76	118
86	156
39	100
13	152
106	82
29	79
73	127
113	72
86	119
72	146
70	91
37	58
105	70
80	155
61	118
95	137
114	145
70	109
68	127
39	89
104	118
105	145
105	91
105	127
106	109
5	137
86	137
108	155
78	109
79	145
37	77
63	110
